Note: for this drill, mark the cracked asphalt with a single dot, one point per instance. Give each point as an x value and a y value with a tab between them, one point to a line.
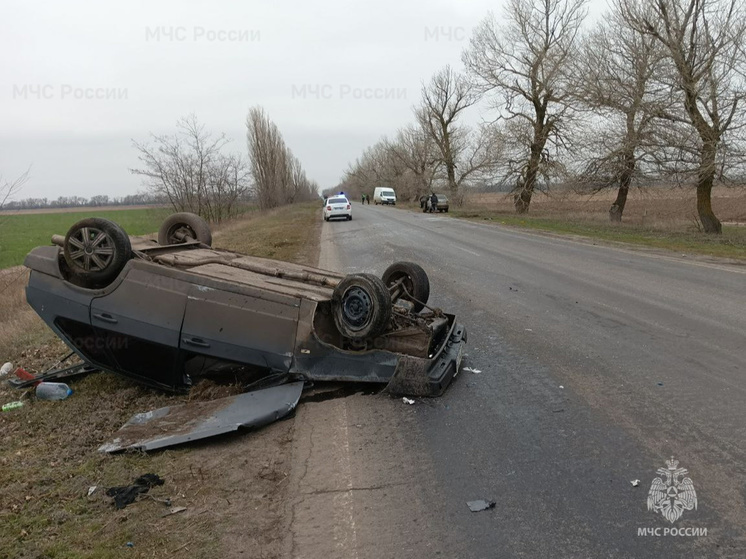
597	365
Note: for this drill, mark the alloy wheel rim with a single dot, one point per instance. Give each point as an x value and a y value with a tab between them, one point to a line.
93	249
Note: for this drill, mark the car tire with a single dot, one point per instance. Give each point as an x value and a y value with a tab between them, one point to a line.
95	251
361	306
349	218
180	227
415	279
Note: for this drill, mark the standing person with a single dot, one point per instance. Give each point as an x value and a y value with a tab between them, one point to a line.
433	202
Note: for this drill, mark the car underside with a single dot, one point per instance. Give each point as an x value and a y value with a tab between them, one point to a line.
165	312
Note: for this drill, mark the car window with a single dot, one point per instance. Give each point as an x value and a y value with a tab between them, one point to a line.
338	200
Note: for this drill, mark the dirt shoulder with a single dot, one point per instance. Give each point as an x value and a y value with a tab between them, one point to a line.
234	487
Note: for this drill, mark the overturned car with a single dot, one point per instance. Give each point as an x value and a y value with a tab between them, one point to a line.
168	311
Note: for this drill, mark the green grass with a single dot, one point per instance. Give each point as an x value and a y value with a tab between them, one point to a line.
731	244
20	233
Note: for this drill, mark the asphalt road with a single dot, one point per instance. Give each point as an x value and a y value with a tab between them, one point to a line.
598	364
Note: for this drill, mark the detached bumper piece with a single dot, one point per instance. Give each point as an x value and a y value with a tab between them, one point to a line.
184	423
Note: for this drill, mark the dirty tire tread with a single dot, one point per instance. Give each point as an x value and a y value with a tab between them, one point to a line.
198	225
419	283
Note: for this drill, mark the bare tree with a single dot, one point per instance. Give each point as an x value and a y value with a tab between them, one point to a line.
277	174
704	40
9	188
379	165
524	62
416	150
444	98
190	171
620	67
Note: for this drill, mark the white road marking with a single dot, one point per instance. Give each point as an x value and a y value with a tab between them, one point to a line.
470	251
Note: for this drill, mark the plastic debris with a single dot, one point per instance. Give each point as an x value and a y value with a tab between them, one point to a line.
6	369
635	482
480	505
130	544
91	489
407	400
12	405
472	370
562	386
53	391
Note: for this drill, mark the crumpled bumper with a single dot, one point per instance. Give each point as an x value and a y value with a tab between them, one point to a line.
416	376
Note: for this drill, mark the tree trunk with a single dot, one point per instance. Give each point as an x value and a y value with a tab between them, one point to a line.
617	208
522	198
451	172
705	178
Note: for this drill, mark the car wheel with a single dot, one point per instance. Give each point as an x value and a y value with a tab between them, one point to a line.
182	227
95	251
349	218
414	280
361	306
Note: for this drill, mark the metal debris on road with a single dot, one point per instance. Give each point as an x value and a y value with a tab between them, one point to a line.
480	505
407	400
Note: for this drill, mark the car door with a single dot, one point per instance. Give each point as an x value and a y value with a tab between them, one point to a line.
66	309
253	326
140	322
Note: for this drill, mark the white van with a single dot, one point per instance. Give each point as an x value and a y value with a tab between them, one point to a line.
384	195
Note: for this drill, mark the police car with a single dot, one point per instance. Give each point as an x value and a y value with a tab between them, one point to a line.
337	206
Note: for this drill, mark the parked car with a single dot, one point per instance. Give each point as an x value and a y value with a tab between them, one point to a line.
162	312
442	205
383	195
337	206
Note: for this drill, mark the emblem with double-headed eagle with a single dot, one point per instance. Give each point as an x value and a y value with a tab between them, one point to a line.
674	495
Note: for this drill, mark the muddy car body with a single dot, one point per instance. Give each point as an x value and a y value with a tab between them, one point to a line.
179	308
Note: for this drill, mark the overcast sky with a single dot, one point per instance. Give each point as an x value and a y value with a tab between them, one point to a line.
79	80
